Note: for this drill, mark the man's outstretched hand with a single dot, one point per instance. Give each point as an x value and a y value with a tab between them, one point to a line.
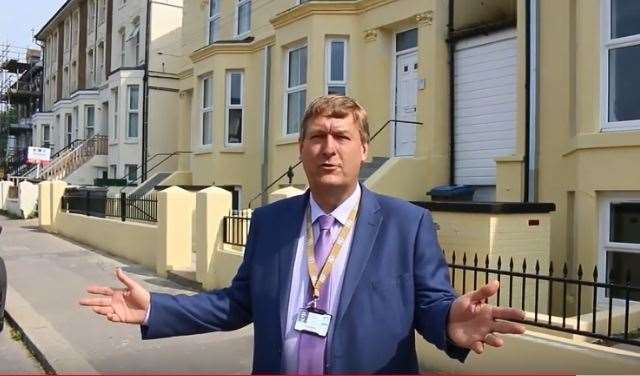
473	323
128	305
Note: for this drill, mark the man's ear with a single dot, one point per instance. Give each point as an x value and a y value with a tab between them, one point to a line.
365	151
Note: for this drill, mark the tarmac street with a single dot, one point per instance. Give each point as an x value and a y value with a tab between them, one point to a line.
47	275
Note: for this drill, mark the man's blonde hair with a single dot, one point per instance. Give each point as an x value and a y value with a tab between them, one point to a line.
336	106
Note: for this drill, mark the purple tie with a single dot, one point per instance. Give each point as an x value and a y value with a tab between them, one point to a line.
311	347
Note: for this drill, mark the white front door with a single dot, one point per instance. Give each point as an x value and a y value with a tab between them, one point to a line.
406	103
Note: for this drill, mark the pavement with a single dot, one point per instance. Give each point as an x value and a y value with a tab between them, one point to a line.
47	275
14	356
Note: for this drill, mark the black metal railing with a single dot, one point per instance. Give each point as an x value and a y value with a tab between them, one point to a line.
236	227
289	173
97	204
592	301
139	176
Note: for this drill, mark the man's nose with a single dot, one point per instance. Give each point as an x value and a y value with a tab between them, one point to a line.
329	146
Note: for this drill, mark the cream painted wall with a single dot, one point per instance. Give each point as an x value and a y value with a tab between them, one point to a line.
133	241
535	353
576	158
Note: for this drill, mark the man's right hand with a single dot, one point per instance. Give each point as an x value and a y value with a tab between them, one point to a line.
128	305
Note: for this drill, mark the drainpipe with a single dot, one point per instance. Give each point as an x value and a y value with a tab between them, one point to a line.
531	107
451	49
265	137
145	88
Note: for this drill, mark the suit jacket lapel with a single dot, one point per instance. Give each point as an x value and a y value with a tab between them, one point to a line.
292	224
365	232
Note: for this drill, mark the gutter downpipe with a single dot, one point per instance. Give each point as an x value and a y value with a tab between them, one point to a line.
531	111
451	49
145	88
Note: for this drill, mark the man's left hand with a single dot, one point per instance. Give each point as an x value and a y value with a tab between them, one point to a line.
474	323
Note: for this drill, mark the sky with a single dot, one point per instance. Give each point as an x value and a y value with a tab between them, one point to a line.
20	19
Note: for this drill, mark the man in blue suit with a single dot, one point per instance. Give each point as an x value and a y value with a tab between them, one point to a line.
334	281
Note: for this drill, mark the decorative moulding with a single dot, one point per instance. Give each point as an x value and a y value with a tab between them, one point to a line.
425	19
371	35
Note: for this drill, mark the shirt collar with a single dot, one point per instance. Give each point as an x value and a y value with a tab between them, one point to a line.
341	213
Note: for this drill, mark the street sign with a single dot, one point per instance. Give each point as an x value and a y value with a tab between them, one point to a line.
38	155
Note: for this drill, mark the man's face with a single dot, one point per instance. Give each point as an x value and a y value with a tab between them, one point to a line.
332	152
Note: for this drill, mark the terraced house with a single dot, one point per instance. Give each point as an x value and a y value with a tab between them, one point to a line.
110	82
520	100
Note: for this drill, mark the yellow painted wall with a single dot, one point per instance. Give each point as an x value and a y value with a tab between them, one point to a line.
137	242
578	161
534	352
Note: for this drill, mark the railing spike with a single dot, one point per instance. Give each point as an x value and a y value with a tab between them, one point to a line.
475	259
580	271
595	273
565	270
550	268
524	265
499	262
537	267
453	257
486	261
511	264
464	258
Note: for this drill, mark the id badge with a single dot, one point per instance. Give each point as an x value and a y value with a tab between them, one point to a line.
313	321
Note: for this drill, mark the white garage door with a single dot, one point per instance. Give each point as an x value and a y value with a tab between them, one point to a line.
485	105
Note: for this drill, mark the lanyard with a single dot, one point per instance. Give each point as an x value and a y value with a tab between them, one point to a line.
318	279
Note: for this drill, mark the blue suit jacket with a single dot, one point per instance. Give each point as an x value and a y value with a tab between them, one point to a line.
396	281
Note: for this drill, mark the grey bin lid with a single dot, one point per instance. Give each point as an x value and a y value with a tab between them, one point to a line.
451	191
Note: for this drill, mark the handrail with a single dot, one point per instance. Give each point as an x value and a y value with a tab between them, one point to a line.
168	155
70	146
289	172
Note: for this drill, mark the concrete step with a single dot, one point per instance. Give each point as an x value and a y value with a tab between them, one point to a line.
185	278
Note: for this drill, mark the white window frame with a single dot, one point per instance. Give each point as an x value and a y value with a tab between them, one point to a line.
237	34
229	106
215	19
87	125
345	66
605	244
133	111
290	90
607	45
115	95
102	11
204	110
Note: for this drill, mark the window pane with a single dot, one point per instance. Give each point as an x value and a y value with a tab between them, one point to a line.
624	81
295	110
132	172
213	30
213	7
298	67
337	61
618	263
625	223
337	90
406	40
236	82
133	97
235	126
244	17
206	128
206	93
133	125
625	18
90	116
